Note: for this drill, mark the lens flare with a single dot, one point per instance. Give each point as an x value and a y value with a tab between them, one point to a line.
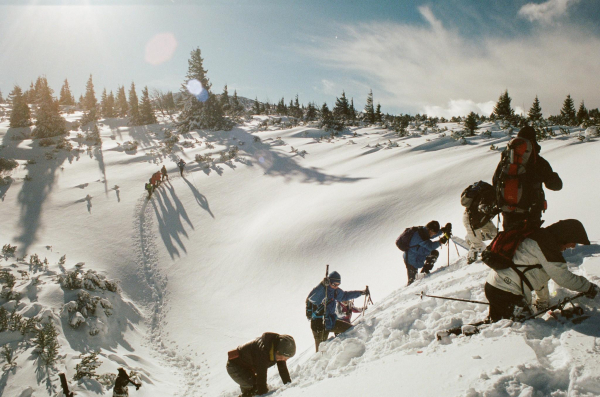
160	48
195	88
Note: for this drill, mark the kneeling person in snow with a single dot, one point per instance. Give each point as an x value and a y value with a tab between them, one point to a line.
421	252
480	202
120	389
247	365
538	258
322	316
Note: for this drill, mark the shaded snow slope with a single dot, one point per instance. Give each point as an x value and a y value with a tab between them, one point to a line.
228	252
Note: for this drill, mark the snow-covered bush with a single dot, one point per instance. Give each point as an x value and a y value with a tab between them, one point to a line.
130	146
65	145
90	280
7	164
44	142
87	367
8	251
46	343
206	159
591	132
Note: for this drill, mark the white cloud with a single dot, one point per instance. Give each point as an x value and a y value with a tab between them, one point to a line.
414	68
459	107
547	11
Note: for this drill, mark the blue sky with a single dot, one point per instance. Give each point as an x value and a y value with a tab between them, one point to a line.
439	57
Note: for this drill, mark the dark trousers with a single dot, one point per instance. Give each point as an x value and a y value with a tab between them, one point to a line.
504	304
243	376
513	220
411	271
321	334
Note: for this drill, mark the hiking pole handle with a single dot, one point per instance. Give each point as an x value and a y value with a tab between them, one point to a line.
422	294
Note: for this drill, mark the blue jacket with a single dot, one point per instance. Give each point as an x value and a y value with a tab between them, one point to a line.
420	248
334	295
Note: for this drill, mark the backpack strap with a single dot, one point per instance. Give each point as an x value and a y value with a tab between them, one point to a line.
523	277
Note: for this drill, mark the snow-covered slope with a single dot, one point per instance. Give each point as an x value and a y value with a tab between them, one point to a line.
228	252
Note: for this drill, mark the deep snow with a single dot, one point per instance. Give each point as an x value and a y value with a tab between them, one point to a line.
226	253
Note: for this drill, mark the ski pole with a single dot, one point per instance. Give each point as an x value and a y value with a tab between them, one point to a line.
325	306
367	294
65	385
422	294
559	306
455	246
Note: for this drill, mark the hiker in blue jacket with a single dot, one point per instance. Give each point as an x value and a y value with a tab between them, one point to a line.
335	294
422	253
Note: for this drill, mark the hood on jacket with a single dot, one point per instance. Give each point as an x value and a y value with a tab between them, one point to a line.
528	133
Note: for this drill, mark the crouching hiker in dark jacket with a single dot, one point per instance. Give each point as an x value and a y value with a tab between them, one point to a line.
538	259
120	389
248	364
422	251
321	328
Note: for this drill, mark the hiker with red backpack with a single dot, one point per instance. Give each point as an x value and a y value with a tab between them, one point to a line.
524	260
518	182
420	252
480	202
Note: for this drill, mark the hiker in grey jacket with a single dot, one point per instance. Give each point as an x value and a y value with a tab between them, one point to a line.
540	259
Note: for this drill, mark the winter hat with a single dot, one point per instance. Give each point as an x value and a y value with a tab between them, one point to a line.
334	277
569	231
286	346
434	226
528	133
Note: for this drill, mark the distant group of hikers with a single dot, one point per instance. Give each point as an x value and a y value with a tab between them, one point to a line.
159	176
523	257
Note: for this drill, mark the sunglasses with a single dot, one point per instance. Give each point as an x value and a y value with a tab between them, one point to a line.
335	284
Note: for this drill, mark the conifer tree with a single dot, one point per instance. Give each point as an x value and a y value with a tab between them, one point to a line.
30	94
502	109
1	98
20	115
311	112
170	102
256	107
297	111
103	100
197	114
122	106
470	123
582	114
236	106
110	106
567	113
369	110
146	113
325	113
89	103
134	111
80	100
352	110
378	114
48	121
281	107
535	113
66	97
224	100
341	109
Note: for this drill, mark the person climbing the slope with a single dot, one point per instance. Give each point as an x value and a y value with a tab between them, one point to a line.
247	365
322	313
518	182
156	179
163	170
420	252
346	309
537	259
480	202
149	187
181	165
120	389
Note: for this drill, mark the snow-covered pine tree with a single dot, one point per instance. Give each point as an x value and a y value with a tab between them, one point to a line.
325	114
197	114
470	123
103	99
66	97
502	109
341	109
582	114
89	103
256	107
20	115
170	102
535	113
88	365
134	110
48	121
224	101
369	110
146	112
567	113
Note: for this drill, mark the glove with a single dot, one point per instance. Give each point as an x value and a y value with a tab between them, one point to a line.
592	292
137	387
484	208
443	240
326	281
365	292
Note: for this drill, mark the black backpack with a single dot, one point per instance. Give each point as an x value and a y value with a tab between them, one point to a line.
477	193
312	308
403	241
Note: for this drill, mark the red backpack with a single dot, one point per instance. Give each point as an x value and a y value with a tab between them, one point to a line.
513	191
